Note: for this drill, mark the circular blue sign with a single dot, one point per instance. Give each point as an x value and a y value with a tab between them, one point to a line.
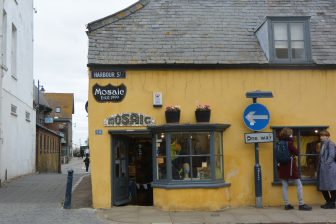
256	117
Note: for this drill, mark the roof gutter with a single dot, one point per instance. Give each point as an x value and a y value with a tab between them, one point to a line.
311	65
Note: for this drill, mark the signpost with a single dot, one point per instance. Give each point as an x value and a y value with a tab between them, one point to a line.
256	117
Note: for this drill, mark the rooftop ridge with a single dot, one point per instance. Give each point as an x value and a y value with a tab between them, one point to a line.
116	16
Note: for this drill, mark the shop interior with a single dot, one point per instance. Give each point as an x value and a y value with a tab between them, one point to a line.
140	170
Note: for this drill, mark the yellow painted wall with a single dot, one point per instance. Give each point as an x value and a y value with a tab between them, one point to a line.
301	97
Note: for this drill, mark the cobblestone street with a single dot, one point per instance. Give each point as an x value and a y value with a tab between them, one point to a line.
38	198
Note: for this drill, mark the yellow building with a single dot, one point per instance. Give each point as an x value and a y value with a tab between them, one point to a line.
159	54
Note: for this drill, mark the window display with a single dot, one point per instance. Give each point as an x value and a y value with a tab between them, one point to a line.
187	156
306	140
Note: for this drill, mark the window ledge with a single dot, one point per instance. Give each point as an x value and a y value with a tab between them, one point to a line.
14	114
185	185
14	77
291	183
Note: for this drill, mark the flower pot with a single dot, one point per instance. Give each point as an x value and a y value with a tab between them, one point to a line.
172	116
202	115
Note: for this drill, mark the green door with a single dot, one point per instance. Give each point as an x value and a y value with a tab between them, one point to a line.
120	180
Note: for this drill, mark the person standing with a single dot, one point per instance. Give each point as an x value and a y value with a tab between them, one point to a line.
326	174
87	163
289	171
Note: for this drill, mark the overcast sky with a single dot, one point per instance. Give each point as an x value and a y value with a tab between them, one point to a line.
60	49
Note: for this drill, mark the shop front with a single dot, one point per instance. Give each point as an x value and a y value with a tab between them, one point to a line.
138	158
167	94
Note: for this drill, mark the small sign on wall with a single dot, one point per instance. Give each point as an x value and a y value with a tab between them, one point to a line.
99	132
157	99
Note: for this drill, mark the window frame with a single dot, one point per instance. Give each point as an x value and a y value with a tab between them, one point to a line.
27	116
14	52
14	110
305	20
298	129
170	129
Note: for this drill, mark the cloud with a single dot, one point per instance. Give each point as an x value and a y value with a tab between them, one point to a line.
60	49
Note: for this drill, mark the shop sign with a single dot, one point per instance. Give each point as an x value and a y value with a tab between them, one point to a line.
128	119
258	137
109	93
108	74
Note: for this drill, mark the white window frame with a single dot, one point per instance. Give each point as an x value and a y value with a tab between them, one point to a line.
14	52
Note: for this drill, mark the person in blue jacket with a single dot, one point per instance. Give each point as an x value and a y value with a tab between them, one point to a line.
326	173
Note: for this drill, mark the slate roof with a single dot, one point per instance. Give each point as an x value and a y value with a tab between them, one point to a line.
203	32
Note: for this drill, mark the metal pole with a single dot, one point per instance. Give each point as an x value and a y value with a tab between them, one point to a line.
257	178
67	201
257	173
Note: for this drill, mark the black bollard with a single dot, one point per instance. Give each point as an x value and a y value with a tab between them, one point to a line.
67	201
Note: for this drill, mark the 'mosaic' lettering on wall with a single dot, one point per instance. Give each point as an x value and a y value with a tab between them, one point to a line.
109	93
128	119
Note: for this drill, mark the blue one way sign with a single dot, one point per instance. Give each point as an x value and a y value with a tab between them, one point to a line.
256	116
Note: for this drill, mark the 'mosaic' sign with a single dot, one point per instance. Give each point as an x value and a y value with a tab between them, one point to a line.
109	93
128	119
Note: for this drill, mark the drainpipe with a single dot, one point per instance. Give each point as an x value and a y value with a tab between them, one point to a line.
1	75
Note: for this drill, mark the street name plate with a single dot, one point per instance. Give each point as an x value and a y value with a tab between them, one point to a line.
258	137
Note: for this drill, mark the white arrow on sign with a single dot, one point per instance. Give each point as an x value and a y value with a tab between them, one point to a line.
251	117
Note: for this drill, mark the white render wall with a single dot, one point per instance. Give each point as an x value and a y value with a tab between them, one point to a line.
17	145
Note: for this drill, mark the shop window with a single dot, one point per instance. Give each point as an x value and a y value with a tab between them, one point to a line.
306	140
188	155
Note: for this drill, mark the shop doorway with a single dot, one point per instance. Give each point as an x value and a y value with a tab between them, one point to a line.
132	171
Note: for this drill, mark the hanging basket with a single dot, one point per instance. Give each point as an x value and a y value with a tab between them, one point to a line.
202	115
172	116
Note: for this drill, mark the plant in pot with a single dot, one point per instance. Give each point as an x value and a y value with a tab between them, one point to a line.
203	113
173	114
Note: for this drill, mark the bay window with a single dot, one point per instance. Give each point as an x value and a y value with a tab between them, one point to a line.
188	155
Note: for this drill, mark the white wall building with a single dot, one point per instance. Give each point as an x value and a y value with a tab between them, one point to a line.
17	115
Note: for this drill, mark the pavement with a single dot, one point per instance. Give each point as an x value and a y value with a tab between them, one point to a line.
38	198
138	214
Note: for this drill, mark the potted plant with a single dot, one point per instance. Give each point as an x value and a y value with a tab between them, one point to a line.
173	114
203	113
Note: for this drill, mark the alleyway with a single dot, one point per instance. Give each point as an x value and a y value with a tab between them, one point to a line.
38	198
